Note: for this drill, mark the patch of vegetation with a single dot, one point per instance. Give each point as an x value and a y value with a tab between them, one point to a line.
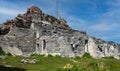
110	57
49	55
58	56
9	54
69	67
77	57
58	63
87	55
99	66
1	51
37	55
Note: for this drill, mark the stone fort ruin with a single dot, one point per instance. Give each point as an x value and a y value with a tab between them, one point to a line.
37	32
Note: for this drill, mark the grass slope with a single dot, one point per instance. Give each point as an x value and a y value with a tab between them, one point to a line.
57	63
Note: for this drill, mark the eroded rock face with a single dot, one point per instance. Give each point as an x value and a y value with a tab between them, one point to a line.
36	32
34	9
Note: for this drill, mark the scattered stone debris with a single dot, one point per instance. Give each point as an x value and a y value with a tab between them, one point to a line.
8	65
3	56
74	61
31	61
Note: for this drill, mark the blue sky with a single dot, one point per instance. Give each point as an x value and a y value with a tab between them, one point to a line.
99	18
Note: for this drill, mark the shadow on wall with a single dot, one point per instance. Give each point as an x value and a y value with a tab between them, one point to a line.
2	68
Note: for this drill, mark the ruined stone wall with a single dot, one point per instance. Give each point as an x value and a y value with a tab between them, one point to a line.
36	32
18	41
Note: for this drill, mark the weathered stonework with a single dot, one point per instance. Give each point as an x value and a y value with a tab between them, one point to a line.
36	32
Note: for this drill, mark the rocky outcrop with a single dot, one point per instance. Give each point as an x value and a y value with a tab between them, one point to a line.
36	32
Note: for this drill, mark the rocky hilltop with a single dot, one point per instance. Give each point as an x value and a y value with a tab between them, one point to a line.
37	32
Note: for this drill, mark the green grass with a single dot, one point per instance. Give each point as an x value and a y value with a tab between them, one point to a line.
1	51
58	63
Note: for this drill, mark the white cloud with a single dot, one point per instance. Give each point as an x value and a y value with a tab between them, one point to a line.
114	3
112	36
103	27
8	11
75	22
